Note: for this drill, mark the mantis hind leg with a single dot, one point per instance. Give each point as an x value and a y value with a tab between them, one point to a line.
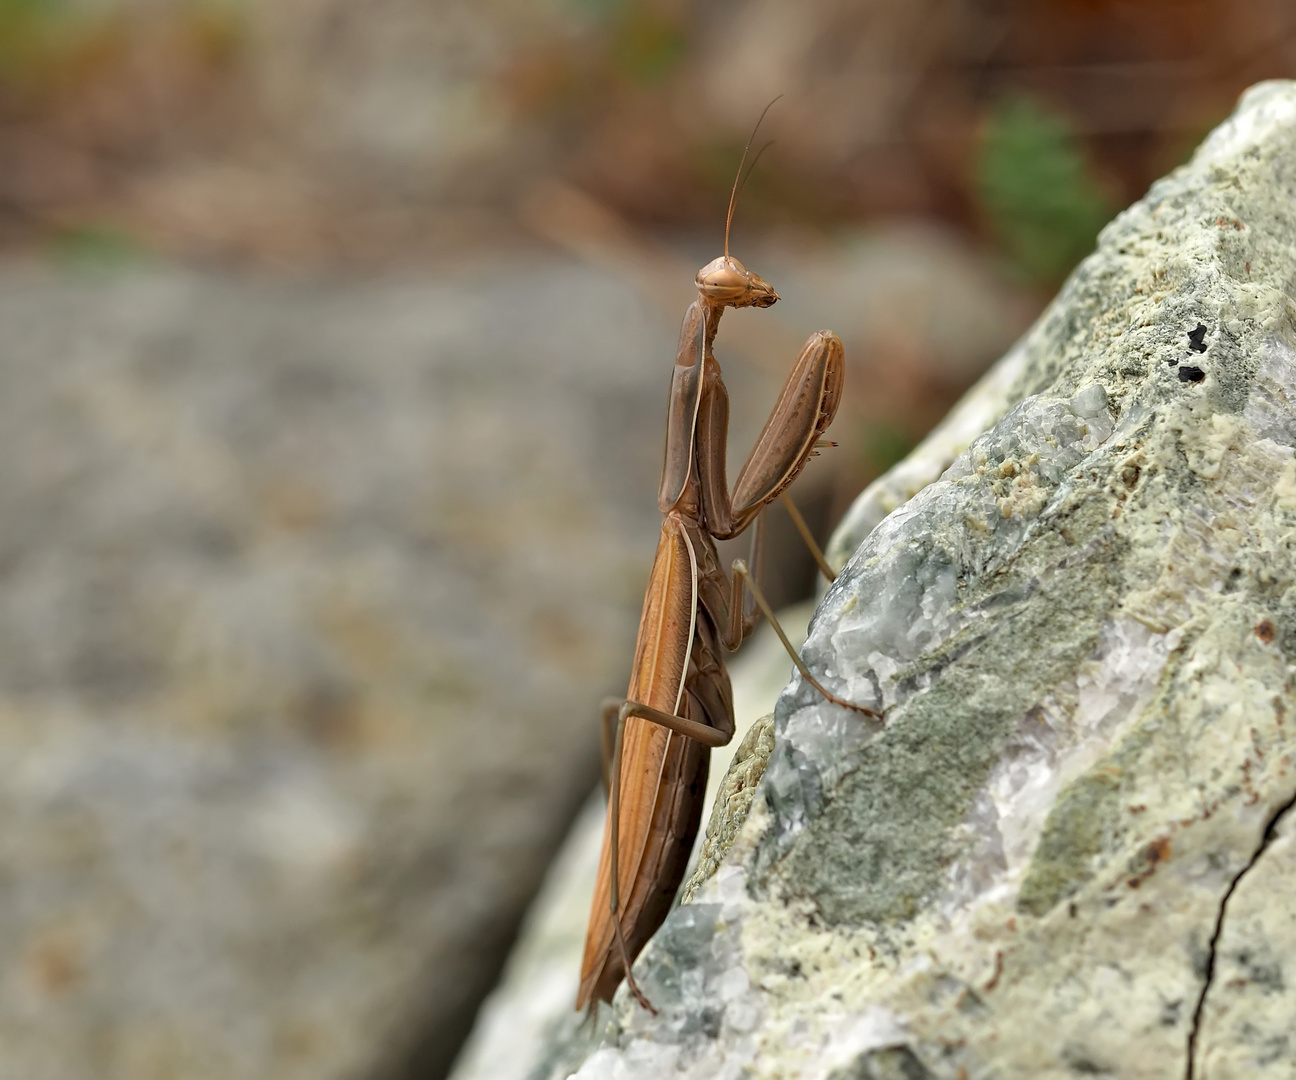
608	710
617	712
707	735
610	716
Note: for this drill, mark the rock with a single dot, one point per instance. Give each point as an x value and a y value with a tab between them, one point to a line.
732	802
1067	849
309	591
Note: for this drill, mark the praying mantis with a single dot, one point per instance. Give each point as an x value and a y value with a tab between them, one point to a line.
679	705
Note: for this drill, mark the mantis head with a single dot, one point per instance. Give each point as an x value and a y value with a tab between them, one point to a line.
725	282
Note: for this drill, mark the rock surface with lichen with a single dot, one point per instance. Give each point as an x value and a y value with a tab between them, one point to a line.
1068	848
732	803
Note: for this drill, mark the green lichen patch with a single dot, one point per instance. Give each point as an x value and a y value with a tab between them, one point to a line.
1077	833
887	833
733	802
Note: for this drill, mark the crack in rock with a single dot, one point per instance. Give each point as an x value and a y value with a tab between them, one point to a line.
1268	837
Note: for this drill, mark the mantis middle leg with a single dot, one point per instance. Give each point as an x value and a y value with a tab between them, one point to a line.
742	576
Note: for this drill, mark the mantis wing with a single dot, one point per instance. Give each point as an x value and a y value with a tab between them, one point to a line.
659	768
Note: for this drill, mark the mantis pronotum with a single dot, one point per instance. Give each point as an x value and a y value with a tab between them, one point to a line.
679	703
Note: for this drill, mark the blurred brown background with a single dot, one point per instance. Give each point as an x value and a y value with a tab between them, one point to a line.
335	340
310	132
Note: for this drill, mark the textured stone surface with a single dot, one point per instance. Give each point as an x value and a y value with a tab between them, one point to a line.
732	802
1246	1015
1067	849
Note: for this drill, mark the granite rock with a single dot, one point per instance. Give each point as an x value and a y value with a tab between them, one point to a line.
1067	848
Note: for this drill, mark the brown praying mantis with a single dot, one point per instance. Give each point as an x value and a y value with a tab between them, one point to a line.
657	741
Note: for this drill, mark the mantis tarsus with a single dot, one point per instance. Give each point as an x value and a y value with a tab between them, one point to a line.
679	705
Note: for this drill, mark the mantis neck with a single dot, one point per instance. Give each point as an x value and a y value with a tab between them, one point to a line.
712	325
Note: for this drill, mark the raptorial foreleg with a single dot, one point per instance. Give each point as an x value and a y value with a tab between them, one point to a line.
804	409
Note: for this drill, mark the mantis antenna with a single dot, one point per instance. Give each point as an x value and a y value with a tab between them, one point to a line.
738	176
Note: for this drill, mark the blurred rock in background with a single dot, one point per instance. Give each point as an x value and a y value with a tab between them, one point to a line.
308	593
332	374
